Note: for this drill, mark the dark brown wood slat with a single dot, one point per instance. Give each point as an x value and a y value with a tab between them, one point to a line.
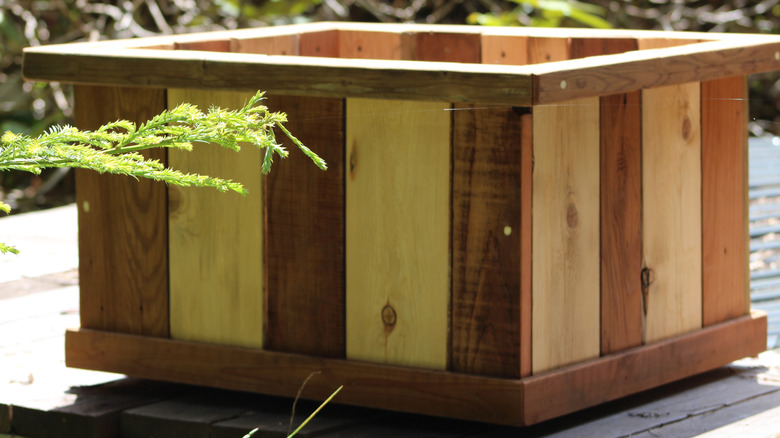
724	213
442	47
305	233
123	243
621	206
486	240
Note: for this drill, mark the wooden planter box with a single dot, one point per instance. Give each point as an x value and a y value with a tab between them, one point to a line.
513	226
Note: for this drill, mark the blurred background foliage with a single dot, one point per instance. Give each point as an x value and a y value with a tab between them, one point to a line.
30	108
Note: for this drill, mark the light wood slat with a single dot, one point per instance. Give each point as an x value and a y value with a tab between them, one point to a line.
123	243
319	44
369	45
277	45
565	234
621	206
542	50
617	375
724	246
398	204
216	45
486	241
498	49
216	240
671	181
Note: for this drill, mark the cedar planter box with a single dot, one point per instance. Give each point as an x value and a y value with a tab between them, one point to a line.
516	223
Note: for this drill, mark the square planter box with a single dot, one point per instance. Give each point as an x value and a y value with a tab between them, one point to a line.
516	223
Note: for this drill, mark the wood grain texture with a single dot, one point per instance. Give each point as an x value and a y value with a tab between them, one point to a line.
568	390
497	49
671	181
216	240
621	206
526	245
565	234
398	221
305	288
323	43
486	241
543	49
277	45
216	45
403	389
369	45
724	247
442	47
123	245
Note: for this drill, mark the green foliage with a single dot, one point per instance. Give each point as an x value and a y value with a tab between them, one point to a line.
545	13
114	148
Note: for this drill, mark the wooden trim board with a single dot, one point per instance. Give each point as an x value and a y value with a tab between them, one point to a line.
504	401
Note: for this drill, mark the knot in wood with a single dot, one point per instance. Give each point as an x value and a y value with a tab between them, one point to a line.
389	316
686	128
572	216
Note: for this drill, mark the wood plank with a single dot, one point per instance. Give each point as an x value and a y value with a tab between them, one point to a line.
305	288
486	240
543	49
403	389
724	247
442	47
621	206
398	249
671	181
369	45
633	71
564	391
565	234
526	245
216	240
320	44
123	246
276	45
217	45
498	49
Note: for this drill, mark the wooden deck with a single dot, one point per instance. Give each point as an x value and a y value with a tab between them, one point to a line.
39	397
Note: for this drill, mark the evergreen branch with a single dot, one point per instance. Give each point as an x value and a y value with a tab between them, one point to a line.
113	148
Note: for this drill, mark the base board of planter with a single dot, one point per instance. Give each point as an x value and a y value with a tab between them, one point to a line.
516	402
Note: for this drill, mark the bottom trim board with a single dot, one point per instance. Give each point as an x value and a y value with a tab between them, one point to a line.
516	402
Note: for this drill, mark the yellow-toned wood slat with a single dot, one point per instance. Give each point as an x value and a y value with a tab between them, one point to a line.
565	234
216	241
671	214
397	232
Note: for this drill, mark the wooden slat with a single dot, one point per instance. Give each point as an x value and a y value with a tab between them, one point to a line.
486	240
541	50
565	234
621	206
277	45
369	45
123	243
305	232
561	392
442	47
504	50
322	44
216	240
398	204
526	245
724	247
380	386
217	45
671	181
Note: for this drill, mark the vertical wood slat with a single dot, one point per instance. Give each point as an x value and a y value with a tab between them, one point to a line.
369	45
442	47
724	247
216	240
123	243
486	240
671	223
305	232
304	227
621	206
526	245
565	234
500	49
397	232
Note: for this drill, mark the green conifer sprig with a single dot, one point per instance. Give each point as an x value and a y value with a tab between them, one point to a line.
114	147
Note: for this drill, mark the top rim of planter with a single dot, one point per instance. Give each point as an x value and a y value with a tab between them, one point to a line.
224	60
